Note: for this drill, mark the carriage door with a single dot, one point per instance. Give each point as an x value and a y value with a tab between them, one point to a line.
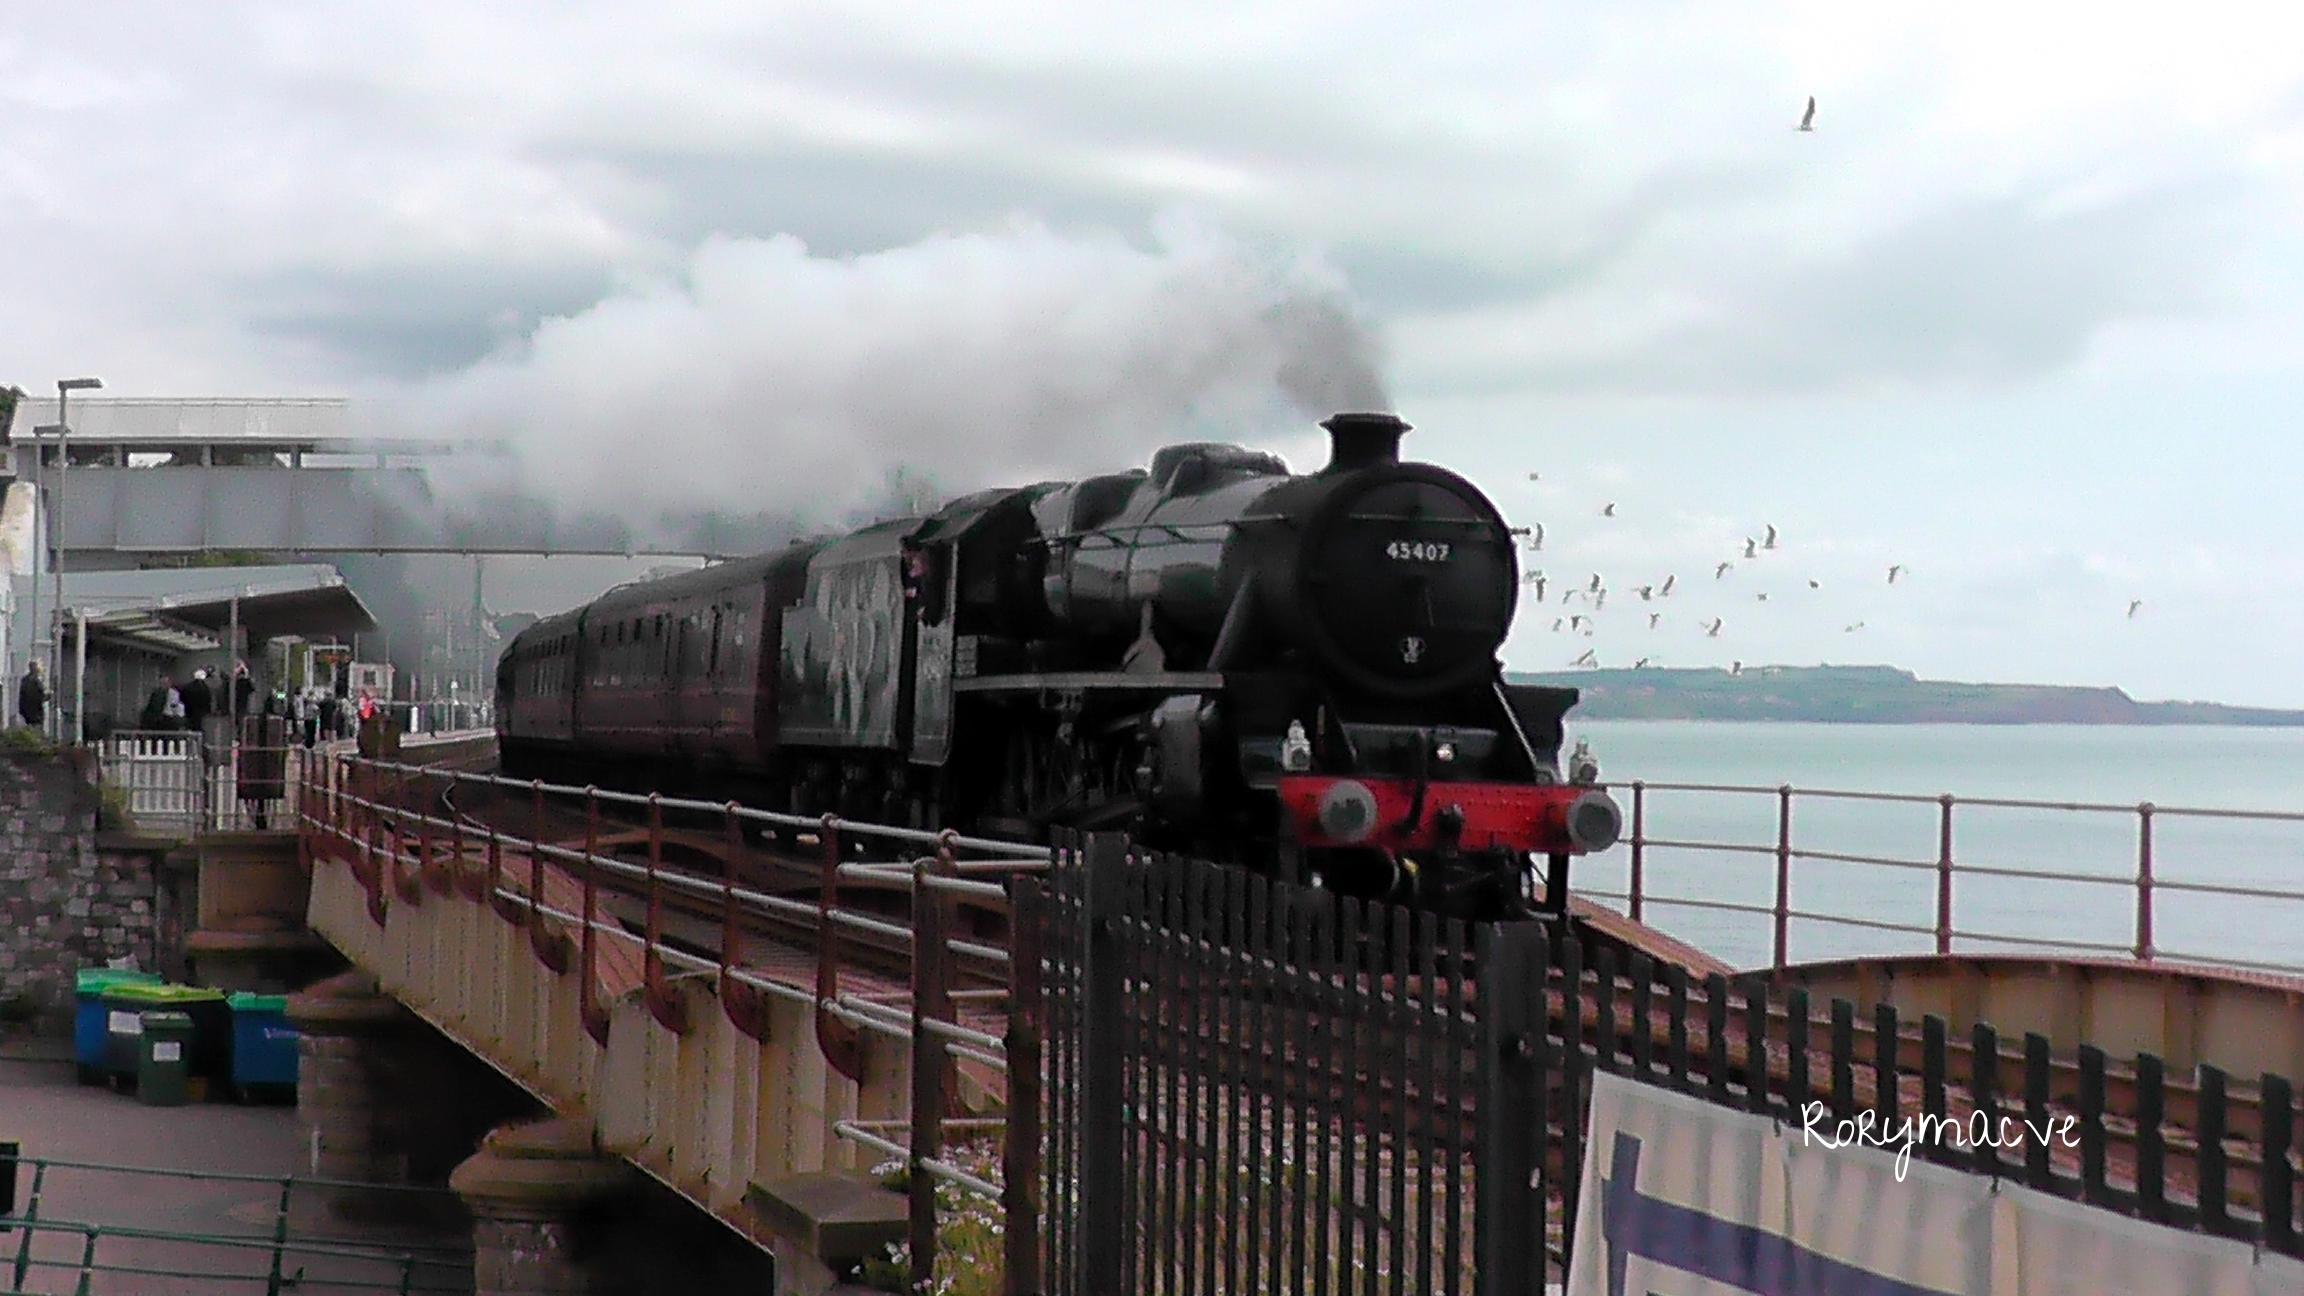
930	585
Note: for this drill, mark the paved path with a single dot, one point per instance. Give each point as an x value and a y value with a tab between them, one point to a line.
55	1118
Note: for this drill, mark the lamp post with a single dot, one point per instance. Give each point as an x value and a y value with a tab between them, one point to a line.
64	389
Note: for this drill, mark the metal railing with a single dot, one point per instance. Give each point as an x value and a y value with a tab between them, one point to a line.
275	1261
1923	897
410	832
173	783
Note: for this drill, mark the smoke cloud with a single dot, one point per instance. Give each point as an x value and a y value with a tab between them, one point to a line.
766	380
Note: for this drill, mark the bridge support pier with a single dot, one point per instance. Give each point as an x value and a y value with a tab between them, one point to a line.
345	1100
526	1187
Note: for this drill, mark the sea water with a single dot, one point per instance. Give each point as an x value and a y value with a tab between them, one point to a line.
1716	847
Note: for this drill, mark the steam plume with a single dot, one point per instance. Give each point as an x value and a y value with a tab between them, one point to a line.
768	380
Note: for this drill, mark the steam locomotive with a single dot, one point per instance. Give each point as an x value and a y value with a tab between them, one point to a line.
1295	672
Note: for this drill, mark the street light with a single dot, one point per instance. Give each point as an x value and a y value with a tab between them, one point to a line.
64	389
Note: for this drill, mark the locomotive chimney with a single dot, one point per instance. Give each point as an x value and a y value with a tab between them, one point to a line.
1362	440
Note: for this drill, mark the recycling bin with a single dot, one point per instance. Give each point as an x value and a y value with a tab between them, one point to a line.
263	1047
208	1055
88	1030
164	1058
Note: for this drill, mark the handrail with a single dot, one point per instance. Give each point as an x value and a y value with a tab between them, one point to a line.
2143	876
386	820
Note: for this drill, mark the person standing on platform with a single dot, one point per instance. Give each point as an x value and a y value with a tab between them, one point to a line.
243	689
198	701
32	697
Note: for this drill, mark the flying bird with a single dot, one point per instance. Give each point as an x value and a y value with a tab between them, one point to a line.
1666	587
2133	606
1536	579
1535	537
1535	476
1814	584
1608	510
1591	657
1770	542
1578	620
1751	547
1712	628
1851	629
1721	570
1558	622
1595	585
1808	118
1646	592
1735	668
1653	618
1894	572
1600	600
1761	597
1640	663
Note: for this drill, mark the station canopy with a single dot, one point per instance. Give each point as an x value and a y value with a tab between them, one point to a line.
186	610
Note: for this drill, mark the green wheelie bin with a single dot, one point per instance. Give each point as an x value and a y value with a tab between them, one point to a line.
164	1059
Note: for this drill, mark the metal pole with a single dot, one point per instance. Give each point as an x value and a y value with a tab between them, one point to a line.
33	624
1639	843
2144	881
79	676
56	563
1783	871
1944	876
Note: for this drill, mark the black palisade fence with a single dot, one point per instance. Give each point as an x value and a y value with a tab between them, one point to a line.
1258	1087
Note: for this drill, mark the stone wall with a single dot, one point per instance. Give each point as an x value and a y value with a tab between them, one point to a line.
65	904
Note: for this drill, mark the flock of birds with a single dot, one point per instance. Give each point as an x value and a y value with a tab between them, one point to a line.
1593	593
1580	605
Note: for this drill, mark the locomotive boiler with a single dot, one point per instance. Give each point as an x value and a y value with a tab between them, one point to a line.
1297	672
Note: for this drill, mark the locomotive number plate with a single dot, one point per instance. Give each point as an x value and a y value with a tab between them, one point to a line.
1427	551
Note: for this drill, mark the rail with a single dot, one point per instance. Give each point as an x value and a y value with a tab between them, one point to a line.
409	831
1963	857
347	1265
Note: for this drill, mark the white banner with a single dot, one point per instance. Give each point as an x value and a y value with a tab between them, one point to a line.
1683	1198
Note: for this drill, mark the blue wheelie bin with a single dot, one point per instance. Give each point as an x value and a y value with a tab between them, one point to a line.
88	1022
263	1048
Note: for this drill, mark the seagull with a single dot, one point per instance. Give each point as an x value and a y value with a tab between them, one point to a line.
1735	668
1814	584
1712	628
1536	537
1770	542
1536	579
1590	658
1608	510
1851	629
1894	572
1595	585
1751	547
1761	597
1666	587
2134	605
1640	663
1577	620
1721	570
1557	623
1808	118
1535	476
1600	600
1653	618
1566	595
1646	592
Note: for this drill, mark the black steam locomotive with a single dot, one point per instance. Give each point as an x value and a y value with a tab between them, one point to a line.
1297	672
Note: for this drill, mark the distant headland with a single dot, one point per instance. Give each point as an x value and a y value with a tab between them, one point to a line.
1871	695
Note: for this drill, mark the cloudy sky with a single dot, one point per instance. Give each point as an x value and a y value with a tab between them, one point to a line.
2021	315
